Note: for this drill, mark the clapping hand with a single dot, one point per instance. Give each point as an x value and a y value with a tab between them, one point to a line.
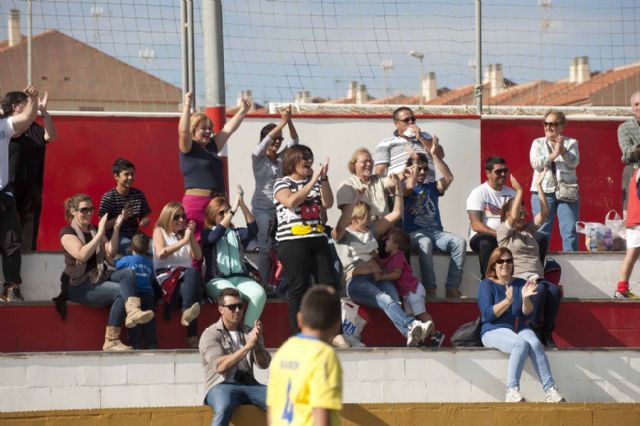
31	92
254	335
102	224
324	169
118	223
435	145
509	293
42	103
245	105
529	289
286	113
540	177
515	184
190	230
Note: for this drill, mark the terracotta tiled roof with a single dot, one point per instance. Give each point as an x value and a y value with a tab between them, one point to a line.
397	100
460	95
71	70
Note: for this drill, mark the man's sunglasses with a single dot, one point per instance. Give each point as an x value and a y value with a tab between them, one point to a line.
408	120
234	306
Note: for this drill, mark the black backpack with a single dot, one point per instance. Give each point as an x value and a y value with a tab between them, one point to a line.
467	335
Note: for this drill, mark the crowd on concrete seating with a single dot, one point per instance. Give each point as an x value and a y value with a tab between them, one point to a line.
388	206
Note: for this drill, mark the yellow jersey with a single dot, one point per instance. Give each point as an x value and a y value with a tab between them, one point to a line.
304	374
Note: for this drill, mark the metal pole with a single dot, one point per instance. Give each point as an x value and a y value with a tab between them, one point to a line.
183	46
29	37
213	53
478	86
421	92
191	51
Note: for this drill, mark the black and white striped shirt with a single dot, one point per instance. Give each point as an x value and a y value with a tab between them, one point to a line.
302	221
113	202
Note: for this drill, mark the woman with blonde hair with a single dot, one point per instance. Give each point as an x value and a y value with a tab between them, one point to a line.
223	245
174	250
200	163
88	276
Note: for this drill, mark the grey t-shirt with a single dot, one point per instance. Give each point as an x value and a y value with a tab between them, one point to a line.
266	172
523	246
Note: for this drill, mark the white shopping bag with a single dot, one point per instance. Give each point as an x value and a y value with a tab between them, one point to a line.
352	322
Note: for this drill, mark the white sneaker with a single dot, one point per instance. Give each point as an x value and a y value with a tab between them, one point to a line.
552	395
427	329
415	333
514	395
354	341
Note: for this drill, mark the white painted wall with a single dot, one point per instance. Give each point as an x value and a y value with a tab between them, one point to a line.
84	380
339	138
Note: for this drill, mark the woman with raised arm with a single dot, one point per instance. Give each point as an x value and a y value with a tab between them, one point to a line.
300	196
200	163
88	276
223	245
518	232
267	167
556	157
174	250
505	305
357	247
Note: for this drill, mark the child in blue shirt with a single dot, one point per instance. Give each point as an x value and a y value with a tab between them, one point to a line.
144	335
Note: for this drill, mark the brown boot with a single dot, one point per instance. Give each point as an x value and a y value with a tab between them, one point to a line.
112	341
134	315
192	342
190	314
454	293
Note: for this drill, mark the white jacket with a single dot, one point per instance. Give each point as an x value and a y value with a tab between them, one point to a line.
565	164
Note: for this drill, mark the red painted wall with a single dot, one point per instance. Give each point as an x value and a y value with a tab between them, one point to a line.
599	172
80	161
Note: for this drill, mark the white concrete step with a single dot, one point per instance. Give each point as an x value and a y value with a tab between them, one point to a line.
584	275
85	380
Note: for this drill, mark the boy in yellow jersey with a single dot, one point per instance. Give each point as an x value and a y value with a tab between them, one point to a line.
305	378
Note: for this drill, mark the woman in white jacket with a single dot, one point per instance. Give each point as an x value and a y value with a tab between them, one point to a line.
559	155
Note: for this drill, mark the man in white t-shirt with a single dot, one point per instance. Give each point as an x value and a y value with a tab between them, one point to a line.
483	207
10	242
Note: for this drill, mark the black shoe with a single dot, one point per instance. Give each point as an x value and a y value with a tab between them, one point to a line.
548	340
17	294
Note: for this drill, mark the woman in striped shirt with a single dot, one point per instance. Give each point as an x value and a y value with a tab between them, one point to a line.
300	198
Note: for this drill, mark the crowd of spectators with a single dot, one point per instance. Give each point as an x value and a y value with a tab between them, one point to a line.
383	215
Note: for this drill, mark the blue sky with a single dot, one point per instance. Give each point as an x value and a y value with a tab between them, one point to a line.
277	48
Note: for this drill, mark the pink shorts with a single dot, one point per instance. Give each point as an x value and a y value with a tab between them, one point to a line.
194	207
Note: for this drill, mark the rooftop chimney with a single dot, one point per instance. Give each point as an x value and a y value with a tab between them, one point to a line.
573	68
361	95
14	27
303	97
583	73
353	90
429	87
496	80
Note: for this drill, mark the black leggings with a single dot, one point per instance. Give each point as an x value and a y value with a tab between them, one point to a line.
302	258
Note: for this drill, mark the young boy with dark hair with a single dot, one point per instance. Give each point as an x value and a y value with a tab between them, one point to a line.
143	335
305	379
127	200
412	292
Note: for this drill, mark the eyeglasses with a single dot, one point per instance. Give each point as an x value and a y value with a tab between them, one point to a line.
551	124
85	210
502	171
177	217
424	168
408	120
307	157
503	261
234	306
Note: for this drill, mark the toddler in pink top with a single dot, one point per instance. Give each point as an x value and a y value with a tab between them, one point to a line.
398	270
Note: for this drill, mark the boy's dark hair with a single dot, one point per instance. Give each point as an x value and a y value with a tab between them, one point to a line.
266	129
140	243
401	238
320	308
121	164
422	158
492	161
11	99
229	291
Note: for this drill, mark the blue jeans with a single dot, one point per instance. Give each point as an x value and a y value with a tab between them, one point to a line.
567	217
190	292
546	305
114	293
264	220
225	397
425	240
362	289
520	346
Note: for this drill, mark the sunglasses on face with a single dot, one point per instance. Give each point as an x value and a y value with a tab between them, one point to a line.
503	171
503	261
234	306
551	124
422	168
408	120
177	217
86	210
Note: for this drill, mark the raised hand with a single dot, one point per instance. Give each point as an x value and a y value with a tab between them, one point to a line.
254	335
42	103
515	184
324	168
245	105
188	99
31	92
119	220
190	230
435	144
286	113
102	225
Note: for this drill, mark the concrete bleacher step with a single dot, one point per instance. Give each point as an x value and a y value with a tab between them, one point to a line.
584	275
95	380
28	326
